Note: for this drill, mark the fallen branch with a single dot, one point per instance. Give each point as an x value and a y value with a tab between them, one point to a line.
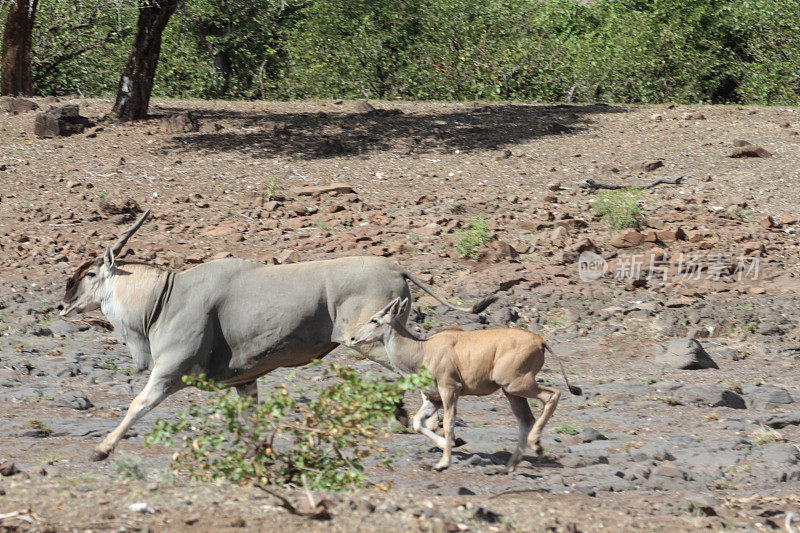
590	185
318	510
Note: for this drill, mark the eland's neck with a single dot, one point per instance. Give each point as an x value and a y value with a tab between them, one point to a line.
406	352
132	303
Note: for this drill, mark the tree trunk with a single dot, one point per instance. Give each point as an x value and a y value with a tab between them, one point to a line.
136	83
15	62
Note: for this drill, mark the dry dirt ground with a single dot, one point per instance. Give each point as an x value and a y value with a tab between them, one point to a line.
656	448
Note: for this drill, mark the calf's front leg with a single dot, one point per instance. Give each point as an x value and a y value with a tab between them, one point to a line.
449	400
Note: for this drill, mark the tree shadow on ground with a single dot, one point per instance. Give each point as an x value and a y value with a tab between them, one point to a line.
324	135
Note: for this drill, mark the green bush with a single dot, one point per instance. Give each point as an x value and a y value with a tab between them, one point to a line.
621	209
640	51
477	233
283	439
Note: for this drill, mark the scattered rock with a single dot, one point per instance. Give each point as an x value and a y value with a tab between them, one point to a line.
766	397
74	399
117	204
8	378
15	106
710	396
627	239
750	151
362	106
7	468
649	166
589	434
289	256
685	353
316	190
183	122
141	507
60	121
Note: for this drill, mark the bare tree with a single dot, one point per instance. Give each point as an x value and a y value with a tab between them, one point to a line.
15	58
136	83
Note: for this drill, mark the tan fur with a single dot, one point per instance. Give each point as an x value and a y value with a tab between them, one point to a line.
468	363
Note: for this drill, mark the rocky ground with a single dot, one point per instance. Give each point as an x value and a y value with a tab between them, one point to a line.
647	446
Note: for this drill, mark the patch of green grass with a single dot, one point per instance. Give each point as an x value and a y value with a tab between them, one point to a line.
109	364
742	213
35	423
102	194
454	207
632	445
735	386
468	240
430	324
766	435
566	428
272	187
621	209
751	327
663	398
165	477
128	467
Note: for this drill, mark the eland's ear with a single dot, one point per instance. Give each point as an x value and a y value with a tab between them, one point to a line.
108	258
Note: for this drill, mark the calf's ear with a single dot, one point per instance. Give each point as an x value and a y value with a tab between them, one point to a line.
402	307
108	258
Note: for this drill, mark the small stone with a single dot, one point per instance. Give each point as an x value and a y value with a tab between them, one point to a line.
750	151
627	239
362	106
649	166
289	256
141	507
685	353
183	122
316	190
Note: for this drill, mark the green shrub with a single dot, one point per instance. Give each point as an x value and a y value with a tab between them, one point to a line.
282	439
621	209
128	467
566	428
477	233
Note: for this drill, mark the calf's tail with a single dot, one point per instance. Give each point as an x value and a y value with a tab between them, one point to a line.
572	388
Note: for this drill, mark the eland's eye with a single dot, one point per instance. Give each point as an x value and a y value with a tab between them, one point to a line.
90	274
374	320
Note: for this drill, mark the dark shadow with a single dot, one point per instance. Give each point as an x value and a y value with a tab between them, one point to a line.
333	134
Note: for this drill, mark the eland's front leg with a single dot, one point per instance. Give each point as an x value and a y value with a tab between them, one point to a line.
162	383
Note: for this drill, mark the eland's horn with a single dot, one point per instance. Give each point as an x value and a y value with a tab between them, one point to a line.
117	247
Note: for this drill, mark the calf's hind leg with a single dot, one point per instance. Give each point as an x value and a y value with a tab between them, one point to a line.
528	388
525	420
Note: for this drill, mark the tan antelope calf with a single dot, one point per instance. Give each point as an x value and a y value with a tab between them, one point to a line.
468	363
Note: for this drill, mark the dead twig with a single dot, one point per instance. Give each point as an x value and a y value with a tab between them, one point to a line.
590	185
318	510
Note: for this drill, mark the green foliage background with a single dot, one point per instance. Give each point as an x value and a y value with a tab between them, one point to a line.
722	51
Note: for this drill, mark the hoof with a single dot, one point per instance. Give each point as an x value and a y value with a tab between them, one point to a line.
439	467
459	442
99	456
